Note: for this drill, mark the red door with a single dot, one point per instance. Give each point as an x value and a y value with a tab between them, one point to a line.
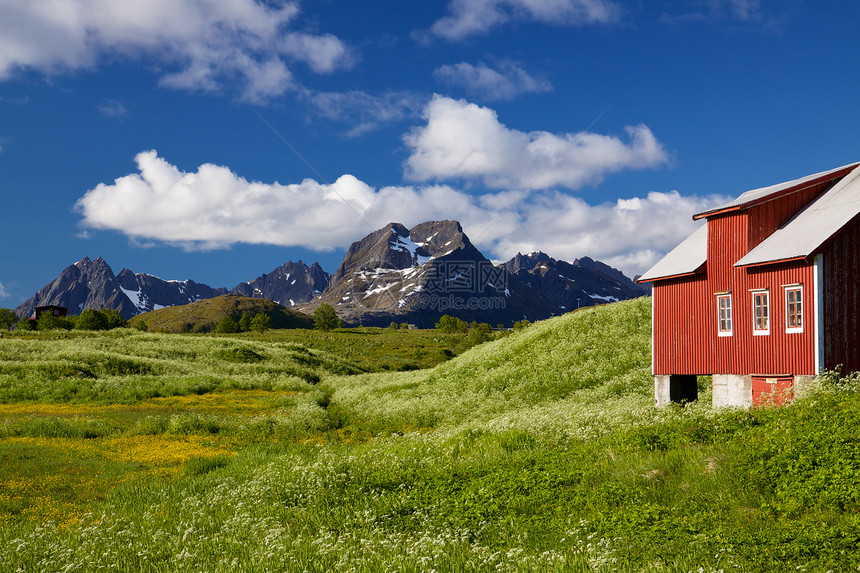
775	390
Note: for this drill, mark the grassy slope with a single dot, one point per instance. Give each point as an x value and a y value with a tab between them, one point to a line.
536	452
204	315
589	357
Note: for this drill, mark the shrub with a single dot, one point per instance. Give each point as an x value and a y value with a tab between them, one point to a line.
113	318
240	355
451	324
50	322
476	336
261	322
226	326
25	324
7	318
325	318
98	319
481	327
91	319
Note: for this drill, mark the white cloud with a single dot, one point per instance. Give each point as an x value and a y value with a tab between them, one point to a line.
112	108
504	83
215	208
629	234
4	293
471	17
366	112
747	12
744	10
464	140
324	54
198	45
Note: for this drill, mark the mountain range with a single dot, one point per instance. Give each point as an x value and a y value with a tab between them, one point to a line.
393	274
289	285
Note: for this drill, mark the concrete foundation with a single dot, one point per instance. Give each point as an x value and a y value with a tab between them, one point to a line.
729	390
661	391
803	385
732	390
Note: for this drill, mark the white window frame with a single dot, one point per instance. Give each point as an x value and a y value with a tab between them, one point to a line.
766	315
798	288
727	296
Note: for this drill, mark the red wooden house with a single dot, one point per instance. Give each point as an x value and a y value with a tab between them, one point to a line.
58	311
763	296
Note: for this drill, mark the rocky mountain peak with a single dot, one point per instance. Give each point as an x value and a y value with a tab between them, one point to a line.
443	238
387	248
421	274
611	272
290	284
529	261
85	284
573	285
93	284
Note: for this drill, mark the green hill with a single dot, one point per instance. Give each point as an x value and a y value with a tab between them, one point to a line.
590	361
203	315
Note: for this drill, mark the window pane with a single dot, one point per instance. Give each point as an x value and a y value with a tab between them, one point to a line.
794	299
791	308
724	314
760	311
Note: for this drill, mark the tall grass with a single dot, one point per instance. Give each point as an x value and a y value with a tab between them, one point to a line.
540	452
125	366
579	374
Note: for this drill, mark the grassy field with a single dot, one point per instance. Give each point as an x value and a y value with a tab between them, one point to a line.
376	349
541	451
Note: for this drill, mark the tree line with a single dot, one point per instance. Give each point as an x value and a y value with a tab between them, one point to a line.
260	322
89	319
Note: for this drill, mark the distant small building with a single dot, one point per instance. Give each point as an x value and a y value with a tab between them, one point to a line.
58	311
764	295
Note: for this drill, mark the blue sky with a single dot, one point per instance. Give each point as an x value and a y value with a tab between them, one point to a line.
215	140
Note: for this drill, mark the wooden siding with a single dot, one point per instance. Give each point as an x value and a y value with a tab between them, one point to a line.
686	339
765	218
842	300
779	352
681	339
774	192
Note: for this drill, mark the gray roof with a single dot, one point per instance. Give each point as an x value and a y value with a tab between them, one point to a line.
757	194
802	235
798	238
683	259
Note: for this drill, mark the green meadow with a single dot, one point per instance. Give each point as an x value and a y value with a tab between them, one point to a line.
399	450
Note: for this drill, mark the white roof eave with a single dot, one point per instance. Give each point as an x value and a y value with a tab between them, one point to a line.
684	259
802	235
764	192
